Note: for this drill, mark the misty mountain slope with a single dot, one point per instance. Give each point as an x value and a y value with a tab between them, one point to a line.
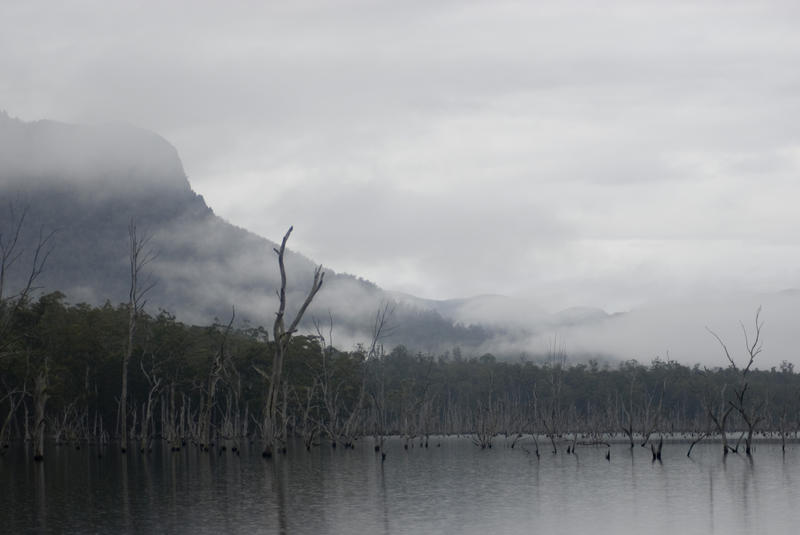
88	182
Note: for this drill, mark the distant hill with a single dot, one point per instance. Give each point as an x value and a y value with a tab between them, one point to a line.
88	182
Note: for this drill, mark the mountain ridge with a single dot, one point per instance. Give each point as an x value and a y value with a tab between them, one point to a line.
89	182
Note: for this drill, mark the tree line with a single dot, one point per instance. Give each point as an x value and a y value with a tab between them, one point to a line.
214	386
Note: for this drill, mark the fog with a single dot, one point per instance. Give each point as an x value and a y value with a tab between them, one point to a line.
680	331
90	156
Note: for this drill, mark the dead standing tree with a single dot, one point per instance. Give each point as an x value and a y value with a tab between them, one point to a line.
625	414
718	413
380	330
15	397
551	412
651	418
154	383
216	371
329	390
377	361
751	415
271	429
11	252
40	396
139	256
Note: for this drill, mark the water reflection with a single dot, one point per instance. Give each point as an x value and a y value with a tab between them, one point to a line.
125	502
456	488
41	498
383	499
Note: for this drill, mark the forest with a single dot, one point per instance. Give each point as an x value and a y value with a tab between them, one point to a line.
119	375
207	386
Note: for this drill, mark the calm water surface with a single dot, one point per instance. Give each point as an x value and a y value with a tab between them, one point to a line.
454	488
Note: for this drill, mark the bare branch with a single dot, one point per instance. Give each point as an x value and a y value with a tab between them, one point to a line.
724	348
278	327
319	275
754	348
272	428
10	252
380	327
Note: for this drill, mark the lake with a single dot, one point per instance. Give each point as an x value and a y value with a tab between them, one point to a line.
453	488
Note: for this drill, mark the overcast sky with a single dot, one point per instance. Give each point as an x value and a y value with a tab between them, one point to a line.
578	153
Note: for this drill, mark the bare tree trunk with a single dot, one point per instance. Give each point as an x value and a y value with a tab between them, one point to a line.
696	441
284	414
133	424
139	257
782	429
215	372
309	426
123	398
12	303
271	430
649	426
40	401
245	421
657	450
147	413
27	430
10	253
12	409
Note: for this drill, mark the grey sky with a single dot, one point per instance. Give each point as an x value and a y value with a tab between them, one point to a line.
597	153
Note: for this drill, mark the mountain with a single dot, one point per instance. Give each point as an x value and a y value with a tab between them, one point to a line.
88	182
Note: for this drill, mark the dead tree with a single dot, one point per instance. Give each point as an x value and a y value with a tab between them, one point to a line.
216	371
15	397
378	396
310	425
350	426
377	357
12	252
651	422
380	330
271	427
718	414
625	420
139	256
328	390
656	450
485	423
783	421
40	396
551	411
231	428
147	413
751	415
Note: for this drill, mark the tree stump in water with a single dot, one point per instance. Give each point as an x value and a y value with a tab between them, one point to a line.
657	451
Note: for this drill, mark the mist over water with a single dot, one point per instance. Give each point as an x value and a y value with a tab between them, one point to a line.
451	487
